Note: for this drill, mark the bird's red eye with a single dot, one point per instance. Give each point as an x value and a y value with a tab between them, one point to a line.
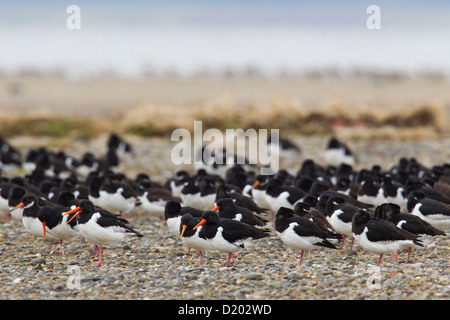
210	216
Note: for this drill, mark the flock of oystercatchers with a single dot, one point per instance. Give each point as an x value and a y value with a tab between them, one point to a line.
225	207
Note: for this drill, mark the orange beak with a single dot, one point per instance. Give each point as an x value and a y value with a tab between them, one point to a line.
20	205
43	226
182	231
215	208
200	223
78	209
257	183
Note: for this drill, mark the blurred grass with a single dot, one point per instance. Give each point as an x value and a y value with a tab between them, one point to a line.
151	119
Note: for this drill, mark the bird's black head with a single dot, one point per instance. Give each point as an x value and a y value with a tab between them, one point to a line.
311	200
172	209
210	216
225	203
186	219
301	208
361	217
283	213
86	206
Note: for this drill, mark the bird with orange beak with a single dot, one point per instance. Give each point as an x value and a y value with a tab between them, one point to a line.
100	227
228	236
193	238
57	224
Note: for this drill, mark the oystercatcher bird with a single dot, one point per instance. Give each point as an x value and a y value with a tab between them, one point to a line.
305	210
119	145
228	209
300	233
279	195
55	224
241	200
340	215
228	236
87	165
432	211
112	195
414	184
393	192
258	191
173	212
320	188
208	191
370	192
193	238
153	199
101	228
190	194
284	147
337	152
30	218
381	236
177	183
406	221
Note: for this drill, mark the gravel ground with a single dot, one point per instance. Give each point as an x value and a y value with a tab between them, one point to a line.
158	266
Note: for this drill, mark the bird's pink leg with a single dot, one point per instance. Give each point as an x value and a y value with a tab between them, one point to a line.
301	258
100	255
229	258
409	253
343	239
60	247
201	260
379	260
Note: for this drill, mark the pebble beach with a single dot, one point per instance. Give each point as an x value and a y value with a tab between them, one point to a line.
159	267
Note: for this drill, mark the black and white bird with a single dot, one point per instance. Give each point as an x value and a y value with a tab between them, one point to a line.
56	225
30	218
258	191
279	195
340	215
240	199
227	209
393	192
381	236
173	212
370	191
300	233
190	194
228	236
177	183
406	221
337	152
305	210
101	228
434	212
208	191
152	199
110	194
193	238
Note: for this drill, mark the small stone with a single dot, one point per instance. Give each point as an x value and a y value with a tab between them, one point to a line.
37	261
254	276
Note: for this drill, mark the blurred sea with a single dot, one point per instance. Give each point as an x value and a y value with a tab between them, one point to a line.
138	38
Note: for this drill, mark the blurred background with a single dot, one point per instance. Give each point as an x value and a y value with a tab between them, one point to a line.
148	67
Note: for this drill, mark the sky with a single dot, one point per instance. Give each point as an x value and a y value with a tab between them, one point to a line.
134	37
